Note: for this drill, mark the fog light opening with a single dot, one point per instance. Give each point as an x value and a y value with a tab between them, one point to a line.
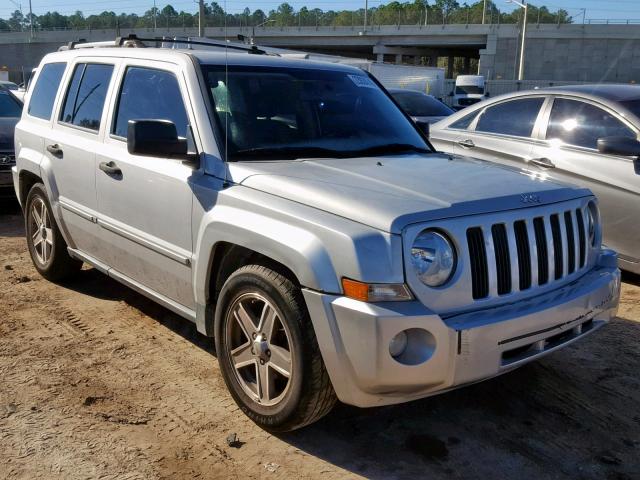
398	344
412	346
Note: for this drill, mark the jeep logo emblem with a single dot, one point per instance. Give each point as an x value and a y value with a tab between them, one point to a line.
5	160
529	198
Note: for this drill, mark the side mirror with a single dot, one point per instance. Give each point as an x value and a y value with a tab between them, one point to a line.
624	146
424	127
155	138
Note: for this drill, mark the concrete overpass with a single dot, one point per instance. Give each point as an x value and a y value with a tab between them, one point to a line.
554	52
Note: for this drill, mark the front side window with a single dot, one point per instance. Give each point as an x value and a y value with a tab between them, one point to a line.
582	124
45	90
515	117
287	113
84	102
9	106
150	94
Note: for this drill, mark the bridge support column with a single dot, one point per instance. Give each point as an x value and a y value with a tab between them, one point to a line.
450	66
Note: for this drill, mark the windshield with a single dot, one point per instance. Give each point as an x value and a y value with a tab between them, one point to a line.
9	106
468	89
288	113
418	104
633	106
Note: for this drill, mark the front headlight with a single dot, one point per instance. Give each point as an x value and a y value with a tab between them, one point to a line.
433	258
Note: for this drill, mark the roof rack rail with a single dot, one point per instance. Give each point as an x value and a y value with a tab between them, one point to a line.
134	39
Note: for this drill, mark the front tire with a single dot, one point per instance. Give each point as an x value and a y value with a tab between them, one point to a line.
268	352
47	248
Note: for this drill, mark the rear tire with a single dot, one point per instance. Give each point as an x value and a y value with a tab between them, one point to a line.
47	248
268	352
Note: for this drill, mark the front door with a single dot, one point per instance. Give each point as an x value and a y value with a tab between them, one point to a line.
570	145
502	132
145	202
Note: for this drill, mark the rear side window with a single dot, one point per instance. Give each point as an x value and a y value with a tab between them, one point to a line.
582	124
516	117
86	94
150	94
44	92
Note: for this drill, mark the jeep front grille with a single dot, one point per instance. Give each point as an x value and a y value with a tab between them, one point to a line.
544	247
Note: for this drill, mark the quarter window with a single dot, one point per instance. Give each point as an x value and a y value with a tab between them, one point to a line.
516	117
85	98
465	121
582	124
150	94
45	90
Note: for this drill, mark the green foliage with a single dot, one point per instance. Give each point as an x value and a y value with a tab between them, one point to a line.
416	12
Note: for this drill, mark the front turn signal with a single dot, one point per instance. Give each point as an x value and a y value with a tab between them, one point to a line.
376	292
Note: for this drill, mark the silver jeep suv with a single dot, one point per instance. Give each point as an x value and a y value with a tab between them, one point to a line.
295	214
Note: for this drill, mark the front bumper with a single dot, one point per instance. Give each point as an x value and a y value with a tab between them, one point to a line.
354	337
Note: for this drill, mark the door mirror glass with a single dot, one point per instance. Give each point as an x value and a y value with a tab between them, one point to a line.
625	146
155	138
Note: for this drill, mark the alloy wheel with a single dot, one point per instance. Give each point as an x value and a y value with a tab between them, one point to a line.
41	231
259	346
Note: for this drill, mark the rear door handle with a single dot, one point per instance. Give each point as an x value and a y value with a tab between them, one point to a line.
55	150
542	162
110	168
466	143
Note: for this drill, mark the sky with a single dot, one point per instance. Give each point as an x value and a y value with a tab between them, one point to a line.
595	9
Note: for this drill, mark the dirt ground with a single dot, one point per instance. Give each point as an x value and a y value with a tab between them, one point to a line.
98	382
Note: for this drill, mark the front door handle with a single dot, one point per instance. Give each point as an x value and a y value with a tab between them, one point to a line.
466	143
542	162
110	168
55	150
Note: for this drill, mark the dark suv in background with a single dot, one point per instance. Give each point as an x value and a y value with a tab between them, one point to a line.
10	112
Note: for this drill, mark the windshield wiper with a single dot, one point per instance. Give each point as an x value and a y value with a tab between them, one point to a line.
390	148
285	153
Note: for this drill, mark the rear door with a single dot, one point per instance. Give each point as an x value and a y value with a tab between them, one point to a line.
503	132
569	143
71	146
145	206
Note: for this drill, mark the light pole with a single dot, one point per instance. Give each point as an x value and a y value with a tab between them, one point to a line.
253	29
484	9
524	34
366	8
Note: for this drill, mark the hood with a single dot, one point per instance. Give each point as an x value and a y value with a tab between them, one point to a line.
7	129
388	193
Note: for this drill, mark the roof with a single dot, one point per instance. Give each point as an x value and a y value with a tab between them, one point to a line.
613	92
214	55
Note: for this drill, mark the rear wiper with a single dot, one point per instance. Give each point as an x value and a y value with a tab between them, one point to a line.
285	153
390	148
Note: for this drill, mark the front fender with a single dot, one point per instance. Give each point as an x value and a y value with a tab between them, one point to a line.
299	249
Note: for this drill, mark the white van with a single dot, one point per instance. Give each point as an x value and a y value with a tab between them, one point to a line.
469	90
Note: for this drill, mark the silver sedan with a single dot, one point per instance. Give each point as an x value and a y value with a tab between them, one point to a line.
584	134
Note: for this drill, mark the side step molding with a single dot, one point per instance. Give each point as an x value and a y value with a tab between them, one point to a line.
147	292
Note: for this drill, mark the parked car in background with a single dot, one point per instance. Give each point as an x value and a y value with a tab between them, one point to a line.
469	89
9	85
10	112
420	106
583	134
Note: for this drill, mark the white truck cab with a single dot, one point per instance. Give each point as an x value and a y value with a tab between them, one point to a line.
469	89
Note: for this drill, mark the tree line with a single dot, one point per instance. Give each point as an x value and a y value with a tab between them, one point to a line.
418	12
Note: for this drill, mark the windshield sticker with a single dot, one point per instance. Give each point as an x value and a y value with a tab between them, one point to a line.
362	81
